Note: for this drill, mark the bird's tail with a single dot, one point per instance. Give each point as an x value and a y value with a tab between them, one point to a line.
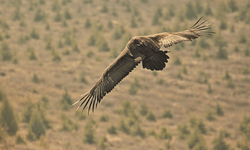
202	28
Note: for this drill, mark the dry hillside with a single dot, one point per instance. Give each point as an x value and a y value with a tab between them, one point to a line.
52	51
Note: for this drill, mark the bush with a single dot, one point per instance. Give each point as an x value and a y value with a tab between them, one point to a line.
243	38
104	8
89	133
244	127
164	134
232	6
133	23
39	15
35	79
167	114
223	24
102	45
36	125
80	115
124	127
34	34
201	127
2	95
134	87
8	118
112	130
222	53
144	109
58	17
66	100
68	124
190	11
56	6
104	118
209	90
19	140
210	116
103	143
5	52
196	141
219	143
55	56
219	110
137	131
183	131
67	14
177	61
32	55
150	116
92	40
208	11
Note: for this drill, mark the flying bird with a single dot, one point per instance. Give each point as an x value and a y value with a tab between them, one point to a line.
145	49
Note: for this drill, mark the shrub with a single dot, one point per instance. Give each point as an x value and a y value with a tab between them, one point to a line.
36	125
124	127
112	130
219	143
219	41
210	116
56	6
209	90
247	52
222	53
66	100
150	116
83	78
167	114
201	127
133	23
190	11
183	131
244	127
134	87
144	109
67	14
87	24
104	8
196	141
34	34
80	115
164	134
232	5
244	71
89	133
177	61
103	143
230	84
8	118
243	38
58	17
5	52
35	79
32	55
223	24
68	124
19	140
92	40
55	56
17	14
2	95
60	44
104	118
39	15
103	45
113	53
137	131
219	110
156	20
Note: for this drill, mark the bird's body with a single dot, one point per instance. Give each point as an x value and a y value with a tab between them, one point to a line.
145	49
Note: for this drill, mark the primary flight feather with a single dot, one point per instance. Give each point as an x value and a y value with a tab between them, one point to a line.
140	48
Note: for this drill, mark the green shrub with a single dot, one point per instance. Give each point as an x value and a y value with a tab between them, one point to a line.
183	131
201	127
230	84
55	56
35	79
219	41
89	133
102	45
68	124
222	53
243	38
56	6
144	109
103	143
8	118
83	78
104	118
3	96
196	141
244	127
210	116
124	127
112	130
5	52
150	116
32	55
90	54
114	53
177	61
67	14
164	134
39	15
36	125
58	17
156	19
87	24
190	11
209	90
104	8
66	100
19	140
34	34
133	23
244	71
219	110
137	131
247	52
17	14
232	5
223	24
219	143
92	40
60	44
134	87
167	114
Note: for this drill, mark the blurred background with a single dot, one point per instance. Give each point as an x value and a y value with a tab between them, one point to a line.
51	52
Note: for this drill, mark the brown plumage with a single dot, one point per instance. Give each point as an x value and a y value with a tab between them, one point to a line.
140	48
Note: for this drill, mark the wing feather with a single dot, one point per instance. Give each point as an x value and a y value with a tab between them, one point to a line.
197	30
119	69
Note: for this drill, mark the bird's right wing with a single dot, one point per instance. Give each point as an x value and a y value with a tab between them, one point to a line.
116	71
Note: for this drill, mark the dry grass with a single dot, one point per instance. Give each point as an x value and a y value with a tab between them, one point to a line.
185	97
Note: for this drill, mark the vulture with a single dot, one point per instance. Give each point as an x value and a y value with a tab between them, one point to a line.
145	49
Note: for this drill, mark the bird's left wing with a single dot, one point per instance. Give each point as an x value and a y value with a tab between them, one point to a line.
200	28
116	71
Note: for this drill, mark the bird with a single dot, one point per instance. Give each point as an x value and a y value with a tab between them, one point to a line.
145	49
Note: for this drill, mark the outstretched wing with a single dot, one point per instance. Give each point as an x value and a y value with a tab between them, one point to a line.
197	30
116	71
